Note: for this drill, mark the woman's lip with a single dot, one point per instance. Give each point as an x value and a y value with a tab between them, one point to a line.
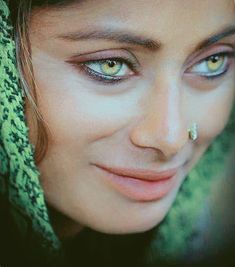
143	174
140	189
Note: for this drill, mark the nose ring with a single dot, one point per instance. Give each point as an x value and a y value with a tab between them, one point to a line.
193	133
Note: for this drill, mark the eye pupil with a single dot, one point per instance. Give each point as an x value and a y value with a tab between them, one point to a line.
214	59
111	63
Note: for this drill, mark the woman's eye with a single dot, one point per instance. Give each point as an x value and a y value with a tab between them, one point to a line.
108	70
108	67
213	66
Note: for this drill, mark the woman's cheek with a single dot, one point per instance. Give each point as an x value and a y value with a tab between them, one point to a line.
88	117
76	113
213	113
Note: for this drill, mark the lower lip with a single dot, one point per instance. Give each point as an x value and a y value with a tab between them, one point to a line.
140	190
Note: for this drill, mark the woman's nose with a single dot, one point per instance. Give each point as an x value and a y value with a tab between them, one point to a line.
161	125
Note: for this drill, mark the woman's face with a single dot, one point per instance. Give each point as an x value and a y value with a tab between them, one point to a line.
119	84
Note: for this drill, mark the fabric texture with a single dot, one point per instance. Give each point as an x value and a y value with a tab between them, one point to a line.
18	173
20	178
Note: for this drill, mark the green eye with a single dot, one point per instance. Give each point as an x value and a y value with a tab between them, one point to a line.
215	62
213	66
110	67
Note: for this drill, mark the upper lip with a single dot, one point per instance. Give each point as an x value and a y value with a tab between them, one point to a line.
143	174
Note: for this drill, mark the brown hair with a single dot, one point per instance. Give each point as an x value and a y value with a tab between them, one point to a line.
20	14
21	19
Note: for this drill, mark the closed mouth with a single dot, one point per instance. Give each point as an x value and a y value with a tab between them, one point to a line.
143	174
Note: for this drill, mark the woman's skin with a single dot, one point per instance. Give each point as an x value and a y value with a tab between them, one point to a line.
140	122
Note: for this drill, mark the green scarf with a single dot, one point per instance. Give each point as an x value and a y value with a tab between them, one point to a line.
19	176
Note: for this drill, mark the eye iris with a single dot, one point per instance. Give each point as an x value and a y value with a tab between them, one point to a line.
215	62
111	67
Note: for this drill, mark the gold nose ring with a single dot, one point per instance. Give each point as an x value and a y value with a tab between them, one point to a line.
193	132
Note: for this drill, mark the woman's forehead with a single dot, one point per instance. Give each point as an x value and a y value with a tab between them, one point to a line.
163	20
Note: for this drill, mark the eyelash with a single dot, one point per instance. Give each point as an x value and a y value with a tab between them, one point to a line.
108	79
229	55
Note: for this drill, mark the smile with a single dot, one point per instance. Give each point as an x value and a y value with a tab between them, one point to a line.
140	185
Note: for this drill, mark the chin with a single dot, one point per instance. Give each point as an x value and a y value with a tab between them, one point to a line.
130	226
126	229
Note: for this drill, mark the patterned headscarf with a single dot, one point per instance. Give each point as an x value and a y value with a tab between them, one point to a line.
19	176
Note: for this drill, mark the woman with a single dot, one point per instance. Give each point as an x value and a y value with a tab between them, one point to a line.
129	123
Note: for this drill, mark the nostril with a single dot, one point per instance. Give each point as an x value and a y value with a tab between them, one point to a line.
166	142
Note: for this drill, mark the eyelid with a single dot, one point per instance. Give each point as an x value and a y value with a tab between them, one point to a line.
105	55
131	65
80	63
203	55
93	72
227	55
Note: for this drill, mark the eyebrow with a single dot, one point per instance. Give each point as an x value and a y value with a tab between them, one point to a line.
229	30
139	40
118	36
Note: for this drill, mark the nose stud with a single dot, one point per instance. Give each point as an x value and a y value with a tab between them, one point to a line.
193	132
